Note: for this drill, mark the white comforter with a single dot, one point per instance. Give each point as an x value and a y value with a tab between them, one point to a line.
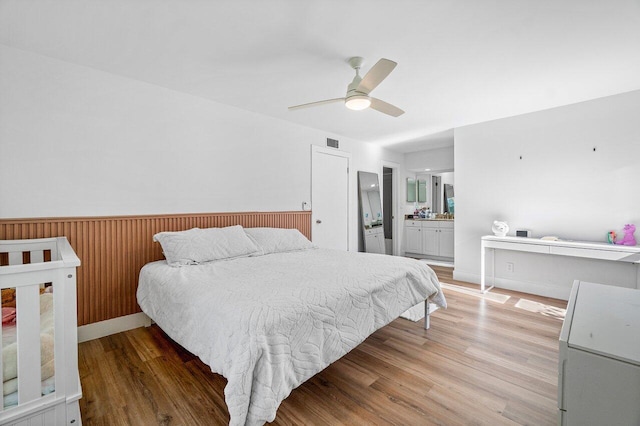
269	323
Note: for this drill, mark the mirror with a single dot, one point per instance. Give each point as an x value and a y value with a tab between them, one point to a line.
449	199
370	202
371	212
422	191
442	193
411	190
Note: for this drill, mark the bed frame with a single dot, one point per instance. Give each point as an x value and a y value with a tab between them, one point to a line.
26	265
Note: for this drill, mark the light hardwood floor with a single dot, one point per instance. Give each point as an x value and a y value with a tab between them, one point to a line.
481	363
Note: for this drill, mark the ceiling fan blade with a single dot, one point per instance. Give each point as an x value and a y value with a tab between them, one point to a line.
312	104
386	108
376	74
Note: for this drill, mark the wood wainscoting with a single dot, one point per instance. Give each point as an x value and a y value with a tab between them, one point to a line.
113	249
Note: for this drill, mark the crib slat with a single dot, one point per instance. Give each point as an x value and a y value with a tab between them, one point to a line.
15	258
28	339
60	352
37	256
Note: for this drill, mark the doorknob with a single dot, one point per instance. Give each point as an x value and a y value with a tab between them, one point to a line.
318	221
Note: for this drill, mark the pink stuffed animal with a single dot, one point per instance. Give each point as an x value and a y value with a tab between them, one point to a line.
628	239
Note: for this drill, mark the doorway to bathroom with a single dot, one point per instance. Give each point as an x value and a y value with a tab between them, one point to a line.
388	213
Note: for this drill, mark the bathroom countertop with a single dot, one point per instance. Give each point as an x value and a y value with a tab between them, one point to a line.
430	220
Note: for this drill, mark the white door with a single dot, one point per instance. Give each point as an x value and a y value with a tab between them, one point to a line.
330	198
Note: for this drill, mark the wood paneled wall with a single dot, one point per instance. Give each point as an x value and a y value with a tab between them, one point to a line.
113	249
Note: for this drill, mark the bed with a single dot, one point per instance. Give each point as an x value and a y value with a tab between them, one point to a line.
39	386
268	310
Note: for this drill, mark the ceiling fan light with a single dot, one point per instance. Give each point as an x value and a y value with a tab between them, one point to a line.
358	102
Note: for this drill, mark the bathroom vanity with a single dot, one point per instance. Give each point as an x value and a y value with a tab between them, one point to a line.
432	238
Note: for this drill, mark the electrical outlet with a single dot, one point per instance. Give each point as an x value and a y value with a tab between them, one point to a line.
509	266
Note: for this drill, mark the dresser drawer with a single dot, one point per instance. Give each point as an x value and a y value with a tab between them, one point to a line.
372	231
430	224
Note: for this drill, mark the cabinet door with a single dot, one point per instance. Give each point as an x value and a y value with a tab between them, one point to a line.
599	390
446	242
413	239
381	244
374	243
430	241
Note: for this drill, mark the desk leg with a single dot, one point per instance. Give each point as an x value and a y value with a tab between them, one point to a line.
482	266
483	269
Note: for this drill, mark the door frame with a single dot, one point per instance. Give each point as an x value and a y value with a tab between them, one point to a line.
315	150
395	222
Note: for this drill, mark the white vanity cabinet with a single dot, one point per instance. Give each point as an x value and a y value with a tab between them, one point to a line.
413	236
374	240
433	238
437	238
430	239
446	241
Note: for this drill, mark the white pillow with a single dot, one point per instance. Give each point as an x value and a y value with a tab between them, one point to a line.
277	240
205	245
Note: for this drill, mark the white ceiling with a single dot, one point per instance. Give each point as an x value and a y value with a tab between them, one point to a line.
459	62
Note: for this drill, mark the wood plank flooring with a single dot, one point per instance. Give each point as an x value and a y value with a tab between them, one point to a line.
481	363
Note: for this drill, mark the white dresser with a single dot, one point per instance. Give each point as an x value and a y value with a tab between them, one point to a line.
599	362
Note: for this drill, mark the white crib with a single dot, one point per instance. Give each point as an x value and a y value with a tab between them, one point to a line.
61	406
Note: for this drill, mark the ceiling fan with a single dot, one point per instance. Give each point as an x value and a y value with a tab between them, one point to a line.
357	97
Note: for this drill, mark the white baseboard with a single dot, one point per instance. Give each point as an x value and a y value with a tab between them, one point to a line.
100	329
466	277
540	289
432	262
546	290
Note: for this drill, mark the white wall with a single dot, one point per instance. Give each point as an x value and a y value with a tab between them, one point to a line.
447	178
75	141
438	159
561	187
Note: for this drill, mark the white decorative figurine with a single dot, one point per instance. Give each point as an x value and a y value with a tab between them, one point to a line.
500	229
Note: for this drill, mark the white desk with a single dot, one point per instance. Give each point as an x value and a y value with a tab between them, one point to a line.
586	249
